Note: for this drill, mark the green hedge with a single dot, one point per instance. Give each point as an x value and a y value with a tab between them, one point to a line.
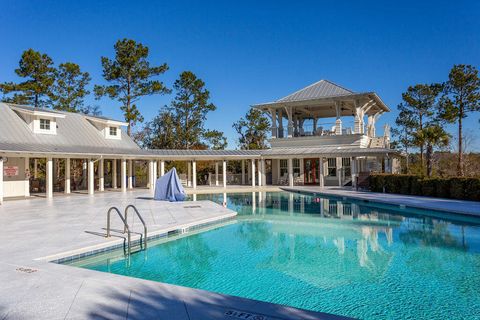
453	188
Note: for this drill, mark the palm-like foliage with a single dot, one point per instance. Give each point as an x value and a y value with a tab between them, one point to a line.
431	136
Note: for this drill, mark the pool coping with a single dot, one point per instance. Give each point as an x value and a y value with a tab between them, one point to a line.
459	207
83	252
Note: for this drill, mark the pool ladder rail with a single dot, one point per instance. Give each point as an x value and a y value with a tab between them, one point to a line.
127	247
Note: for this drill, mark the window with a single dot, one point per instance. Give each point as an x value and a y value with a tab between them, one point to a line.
332	167
284	167
45	124
347	167
113	131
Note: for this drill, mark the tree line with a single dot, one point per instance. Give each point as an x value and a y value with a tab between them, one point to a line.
128	77
427	108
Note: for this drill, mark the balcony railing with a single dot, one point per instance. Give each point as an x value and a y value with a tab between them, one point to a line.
308	131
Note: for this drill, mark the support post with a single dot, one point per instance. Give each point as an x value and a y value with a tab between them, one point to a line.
91	176
252	169
264	176
27	177
321	177
290	172
155	174
49	178
130	174
224	172
354	172
290	121
339	171
35	169
273	113
114	174
216	174
123	175
101	175
162	168
338	122
194	174
1	180
189	174
259	164
67	175
243	172
150	174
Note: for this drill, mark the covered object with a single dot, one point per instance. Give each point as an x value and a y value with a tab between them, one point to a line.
169	187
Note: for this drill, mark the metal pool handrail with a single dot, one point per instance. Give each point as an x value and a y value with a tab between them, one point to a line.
141	219
125	224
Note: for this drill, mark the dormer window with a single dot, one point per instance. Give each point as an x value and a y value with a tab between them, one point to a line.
113	131
45	124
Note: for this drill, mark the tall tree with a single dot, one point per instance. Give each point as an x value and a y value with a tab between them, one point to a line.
419	107
130	75
39	73
432	136
405	125
189	108
159	133
69	90
252	130
460	97
215	140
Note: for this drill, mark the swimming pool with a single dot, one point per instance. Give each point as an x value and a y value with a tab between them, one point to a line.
323	254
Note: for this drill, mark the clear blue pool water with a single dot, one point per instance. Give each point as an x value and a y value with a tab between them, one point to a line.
323	254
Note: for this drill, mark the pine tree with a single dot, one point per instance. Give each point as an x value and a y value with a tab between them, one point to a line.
460	97
69	90
39	73
252	130
130	75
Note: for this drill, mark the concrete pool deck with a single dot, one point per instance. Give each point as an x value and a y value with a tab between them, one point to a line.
437	204
37	230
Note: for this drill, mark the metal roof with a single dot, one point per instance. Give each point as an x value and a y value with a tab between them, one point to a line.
326	151
74	132
317	90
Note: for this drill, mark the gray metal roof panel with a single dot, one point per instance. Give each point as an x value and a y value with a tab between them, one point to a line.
320	89
73	131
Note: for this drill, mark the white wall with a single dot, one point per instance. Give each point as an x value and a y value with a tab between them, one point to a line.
14	186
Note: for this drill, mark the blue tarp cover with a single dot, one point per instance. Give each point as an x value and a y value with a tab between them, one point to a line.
169	187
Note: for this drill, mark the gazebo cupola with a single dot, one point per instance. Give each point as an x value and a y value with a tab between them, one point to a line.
323	99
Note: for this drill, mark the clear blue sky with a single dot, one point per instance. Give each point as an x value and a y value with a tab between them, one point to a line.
249	52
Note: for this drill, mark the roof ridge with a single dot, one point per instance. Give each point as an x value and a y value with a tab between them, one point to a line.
331	82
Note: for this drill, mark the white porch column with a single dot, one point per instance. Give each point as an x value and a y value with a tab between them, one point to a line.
290	121
27	177
91	176
259	164
155	174
252	170
162	168
216	173
338	122
321	178
123	175
224	172
1	180
194	174
339	171
273	113
101	175
243	172
67	175
130	174
49	178
150	174
354	172
35	169
264	176
114	174
290	172
189	174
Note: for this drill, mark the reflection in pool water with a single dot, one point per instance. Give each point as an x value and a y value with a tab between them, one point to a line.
323	254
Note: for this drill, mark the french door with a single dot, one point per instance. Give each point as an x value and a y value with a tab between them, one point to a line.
311	171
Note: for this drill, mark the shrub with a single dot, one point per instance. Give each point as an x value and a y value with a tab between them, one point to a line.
454	188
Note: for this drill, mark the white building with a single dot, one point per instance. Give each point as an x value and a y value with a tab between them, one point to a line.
311	143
